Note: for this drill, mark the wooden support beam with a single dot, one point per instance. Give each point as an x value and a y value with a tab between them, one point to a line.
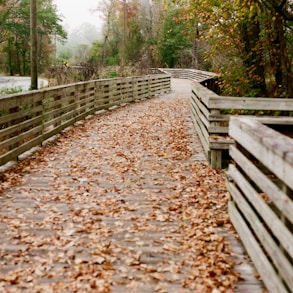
216	159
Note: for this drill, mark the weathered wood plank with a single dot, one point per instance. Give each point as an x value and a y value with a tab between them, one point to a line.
201	131
218	129
280	199
19	100
280	231
204	94
204	97
201	137
222	102
274	120
216	159
21	137
201	112
220	143
284	267
21	126
62	106
192	74
219	118
13	154
262	264
271	148
202	108
20	114
50	115
267	120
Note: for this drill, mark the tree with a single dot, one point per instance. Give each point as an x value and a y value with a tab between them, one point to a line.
175	41
133	35
6	8
34	44
96	53
109	13
280	26
252	50
16	33
132	21
247	42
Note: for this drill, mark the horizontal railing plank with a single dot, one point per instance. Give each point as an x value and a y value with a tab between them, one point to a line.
264	143
20	126
262	264
280	199
274	104
277	227
216	112
261	195
282	264
30	118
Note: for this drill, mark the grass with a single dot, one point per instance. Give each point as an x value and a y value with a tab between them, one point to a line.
9	91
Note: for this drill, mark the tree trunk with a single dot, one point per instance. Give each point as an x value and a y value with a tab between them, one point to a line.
11	73
281	60
34	45
253	57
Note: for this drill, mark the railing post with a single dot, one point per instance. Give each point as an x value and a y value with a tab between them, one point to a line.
134	88
149	86
216	154
43	114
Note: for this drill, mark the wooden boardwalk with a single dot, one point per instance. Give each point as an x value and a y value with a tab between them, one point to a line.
122	202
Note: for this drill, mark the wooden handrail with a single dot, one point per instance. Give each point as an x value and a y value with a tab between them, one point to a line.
261	188
27	119
211	117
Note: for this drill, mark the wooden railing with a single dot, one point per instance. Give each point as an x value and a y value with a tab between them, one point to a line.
260	182
205	78
211	118
27	119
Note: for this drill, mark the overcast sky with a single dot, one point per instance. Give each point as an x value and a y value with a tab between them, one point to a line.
77	12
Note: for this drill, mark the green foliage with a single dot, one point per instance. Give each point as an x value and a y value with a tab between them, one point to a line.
16	33
64	55
96	52
134	41
113	74
128	33
8	91
174	39
248	42
112	60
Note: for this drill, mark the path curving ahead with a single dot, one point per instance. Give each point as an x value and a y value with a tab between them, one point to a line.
122	202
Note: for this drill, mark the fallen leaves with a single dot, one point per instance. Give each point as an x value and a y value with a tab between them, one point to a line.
117	202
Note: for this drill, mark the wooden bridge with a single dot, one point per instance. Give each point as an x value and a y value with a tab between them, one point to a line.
125	201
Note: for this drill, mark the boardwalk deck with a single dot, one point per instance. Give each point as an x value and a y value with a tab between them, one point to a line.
119	204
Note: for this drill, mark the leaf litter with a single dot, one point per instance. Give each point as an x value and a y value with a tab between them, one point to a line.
117	203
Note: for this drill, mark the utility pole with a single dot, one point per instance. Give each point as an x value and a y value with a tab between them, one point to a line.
34	44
